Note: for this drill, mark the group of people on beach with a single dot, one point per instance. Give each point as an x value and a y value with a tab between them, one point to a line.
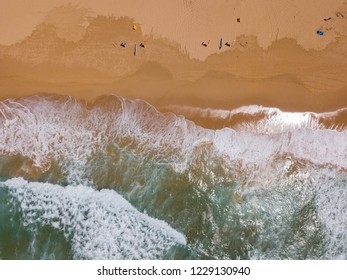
220	43
123	44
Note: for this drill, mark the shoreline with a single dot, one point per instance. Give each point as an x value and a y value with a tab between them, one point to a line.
217	118
284	75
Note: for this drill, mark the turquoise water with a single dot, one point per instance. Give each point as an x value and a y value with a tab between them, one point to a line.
117	179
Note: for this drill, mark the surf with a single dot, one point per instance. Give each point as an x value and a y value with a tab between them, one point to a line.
259	119
97	224
253	189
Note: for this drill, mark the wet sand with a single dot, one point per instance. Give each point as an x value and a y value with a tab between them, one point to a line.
275	58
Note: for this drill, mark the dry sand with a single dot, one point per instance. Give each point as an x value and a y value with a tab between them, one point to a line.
276	58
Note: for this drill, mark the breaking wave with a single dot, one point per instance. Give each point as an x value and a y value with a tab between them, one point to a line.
260	119
98	224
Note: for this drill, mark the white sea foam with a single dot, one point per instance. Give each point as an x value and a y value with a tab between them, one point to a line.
99	224
213	113
320	147
298	213
63	130
331	201
259	119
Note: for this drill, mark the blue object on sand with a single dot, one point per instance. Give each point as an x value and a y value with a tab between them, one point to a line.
321	33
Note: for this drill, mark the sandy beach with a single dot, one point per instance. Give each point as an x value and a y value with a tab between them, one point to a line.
271	53
173	130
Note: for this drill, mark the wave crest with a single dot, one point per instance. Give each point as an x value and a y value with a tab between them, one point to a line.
260	119
98	224
64	132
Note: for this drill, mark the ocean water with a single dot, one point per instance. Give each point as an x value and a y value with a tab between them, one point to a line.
117	179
